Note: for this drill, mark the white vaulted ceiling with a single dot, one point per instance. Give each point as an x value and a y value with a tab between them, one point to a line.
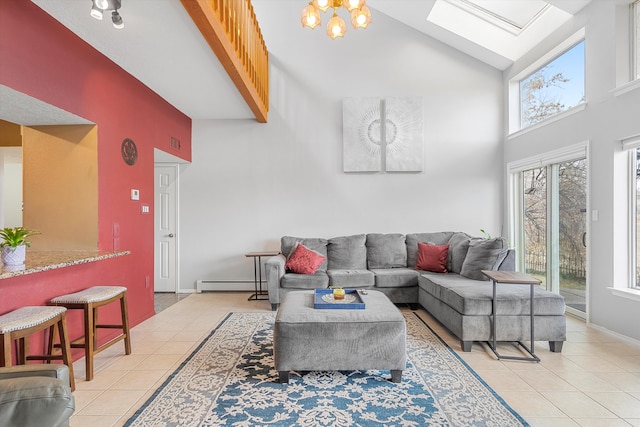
497	32
162	47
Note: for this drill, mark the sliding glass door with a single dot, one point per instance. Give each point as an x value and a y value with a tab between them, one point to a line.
551	228
535	223
572	233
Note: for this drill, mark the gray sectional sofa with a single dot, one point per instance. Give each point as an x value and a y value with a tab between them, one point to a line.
460	299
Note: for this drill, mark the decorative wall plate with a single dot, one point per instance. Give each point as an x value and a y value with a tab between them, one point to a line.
129	151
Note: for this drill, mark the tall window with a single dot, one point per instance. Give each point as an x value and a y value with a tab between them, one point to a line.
553	88
635	33
635	157
632	146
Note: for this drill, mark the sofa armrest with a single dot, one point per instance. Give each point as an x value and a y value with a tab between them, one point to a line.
35	396
58	371
274	270
509	261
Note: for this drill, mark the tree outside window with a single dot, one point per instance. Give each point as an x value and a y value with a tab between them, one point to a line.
554	88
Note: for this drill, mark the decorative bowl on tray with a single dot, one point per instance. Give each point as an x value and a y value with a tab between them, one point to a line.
345	299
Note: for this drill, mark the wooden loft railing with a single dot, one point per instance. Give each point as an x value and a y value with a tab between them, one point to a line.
231	29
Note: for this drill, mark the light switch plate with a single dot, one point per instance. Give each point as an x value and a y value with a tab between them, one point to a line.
135	194
144	209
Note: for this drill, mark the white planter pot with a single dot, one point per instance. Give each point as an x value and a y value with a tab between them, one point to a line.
14	256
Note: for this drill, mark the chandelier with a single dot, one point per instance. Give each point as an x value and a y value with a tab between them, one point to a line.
360	15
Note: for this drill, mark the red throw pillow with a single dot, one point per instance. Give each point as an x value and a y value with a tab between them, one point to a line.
303	260
432	257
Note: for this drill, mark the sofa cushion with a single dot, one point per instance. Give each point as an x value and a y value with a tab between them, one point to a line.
396	277
351	278
288	244
386	251
320	280
432	257
438	284
438	238
347	253
474	297
483	254
303	260
458	247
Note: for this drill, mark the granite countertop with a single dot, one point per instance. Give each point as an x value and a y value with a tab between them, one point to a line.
48	260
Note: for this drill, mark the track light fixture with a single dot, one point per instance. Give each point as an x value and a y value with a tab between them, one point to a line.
98	7
96	13
117	20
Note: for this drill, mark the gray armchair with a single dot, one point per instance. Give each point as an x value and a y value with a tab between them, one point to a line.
35	396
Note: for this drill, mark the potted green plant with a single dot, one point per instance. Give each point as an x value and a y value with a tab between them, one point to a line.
14	243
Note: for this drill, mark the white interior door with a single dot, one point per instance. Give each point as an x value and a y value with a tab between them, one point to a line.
166	240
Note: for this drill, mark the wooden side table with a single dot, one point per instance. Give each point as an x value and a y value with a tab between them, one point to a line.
259	293
514	278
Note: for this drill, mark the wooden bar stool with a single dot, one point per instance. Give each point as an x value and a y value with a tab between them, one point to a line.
89	300
22	322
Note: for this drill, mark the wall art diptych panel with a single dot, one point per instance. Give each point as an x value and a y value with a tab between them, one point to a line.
382	134
361	136
403	134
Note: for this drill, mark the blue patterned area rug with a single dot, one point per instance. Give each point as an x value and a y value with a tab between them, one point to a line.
230	380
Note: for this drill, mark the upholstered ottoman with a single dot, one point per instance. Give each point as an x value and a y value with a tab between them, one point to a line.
309	339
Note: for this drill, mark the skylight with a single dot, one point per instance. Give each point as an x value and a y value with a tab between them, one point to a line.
506	27
511	15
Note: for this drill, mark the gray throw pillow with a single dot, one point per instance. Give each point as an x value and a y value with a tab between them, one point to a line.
347	253
386	251
483	254
458	247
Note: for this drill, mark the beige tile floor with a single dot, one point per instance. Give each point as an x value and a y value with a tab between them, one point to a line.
595	381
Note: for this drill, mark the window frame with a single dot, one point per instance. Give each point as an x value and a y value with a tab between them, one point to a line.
549	62
514	101
634	34
632	145
633	223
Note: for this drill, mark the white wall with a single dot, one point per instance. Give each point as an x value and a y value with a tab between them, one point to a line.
252	183
605	121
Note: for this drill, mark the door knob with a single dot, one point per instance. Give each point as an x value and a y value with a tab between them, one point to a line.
170	234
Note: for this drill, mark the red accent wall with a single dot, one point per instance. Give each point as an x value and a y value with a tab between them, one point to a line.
43	59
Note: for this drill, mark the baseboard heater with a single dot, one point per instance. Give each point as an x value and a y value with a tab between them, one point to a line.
204	285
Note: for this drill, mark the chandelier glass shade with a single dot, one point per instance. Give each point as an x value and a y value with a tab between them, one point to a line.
310	16
336	27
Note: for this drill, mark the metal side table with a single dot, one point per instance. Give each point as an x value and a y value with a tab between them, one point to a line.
514	278
259	293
